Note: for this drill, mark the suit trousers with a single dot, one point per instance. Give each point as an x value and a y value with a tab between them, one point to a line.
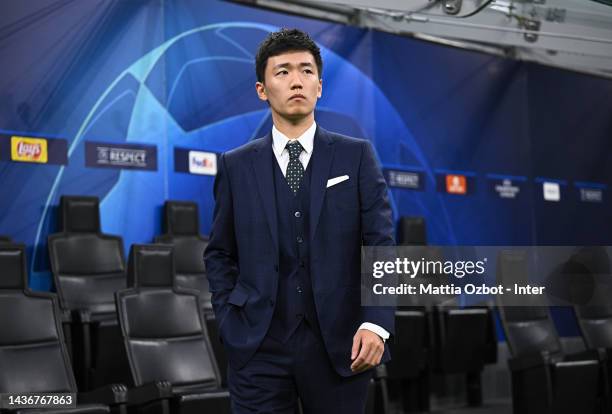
279	373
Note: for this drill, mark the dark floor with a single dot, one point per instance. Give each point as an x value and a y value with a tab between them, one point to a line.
489	407
498	407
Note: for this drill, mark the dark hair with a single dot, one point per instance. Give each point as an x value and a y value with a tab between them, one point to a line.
285	40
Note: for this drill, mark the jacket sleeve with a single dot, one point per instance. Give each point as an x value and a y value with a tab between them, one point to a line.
376	225
221	254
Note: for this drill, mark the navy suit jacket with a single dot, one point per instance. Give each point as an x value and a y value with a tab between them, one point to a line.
242	256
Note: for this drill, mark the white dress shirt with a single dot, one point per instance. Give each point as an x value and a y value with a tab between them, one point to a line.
279	142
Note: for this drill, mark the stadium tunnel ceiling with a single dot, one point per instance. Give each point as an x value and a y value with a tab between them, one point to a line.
571	34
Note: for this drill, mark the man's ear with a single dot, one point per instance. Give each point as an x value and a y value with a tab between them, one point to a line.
261	91
320	88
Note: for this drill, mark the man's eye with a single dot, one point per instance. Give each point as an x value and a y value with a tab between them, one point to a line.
309	71
282	72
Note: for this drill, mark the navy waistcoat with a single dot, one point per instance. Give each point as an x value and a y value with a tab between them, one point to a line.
295	300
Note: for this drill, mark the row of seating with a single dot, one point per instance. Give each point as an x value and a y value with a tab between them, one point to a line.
545	379
163	329
440	339
161	321
89	269
445	339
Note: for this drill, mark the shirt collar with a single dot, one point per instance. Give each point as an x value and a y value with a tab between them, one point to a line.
279	140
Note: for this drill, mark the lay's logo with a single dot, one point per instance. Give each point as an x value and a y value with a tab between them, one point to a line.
29	149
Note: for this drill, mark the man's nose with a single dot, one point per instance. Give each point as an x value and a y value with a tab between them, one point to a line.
296	82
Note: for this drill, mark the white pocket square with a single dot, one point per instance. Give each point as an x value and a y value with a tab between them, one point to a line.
336	180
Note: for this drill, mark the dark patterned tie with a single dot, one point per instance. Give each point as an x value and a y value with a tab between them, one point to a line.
295	169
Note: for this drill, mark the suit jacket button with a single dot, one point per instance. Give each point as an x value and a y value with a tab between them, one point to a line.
276	268
299	239
271	303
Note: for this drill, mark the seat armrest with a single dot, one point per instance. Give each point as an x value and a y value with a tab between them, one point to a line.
533	360
380	371
152	391
112	394
66	315
218	395
599	354
81	315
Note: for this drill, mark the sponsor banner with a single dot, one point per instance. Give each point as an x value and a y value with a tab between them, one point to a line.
591	195
456	183
130	156
29	149
195	161
552	190
204	163
590	192
506	187
409	180
36	150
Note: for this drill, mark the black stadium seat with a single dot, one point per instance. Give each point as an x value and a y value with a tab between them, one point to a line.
88	268
464	341
544	379
411	231
408	373
595	324
33	354
444	338
182	230
5	239
165	334
408	370
595	319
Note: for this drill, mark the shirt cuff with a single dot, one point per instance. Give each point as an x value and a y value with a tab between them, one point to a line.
378	330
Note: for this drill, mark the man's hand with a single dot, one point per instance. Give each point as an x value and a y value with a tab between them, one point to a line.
367	350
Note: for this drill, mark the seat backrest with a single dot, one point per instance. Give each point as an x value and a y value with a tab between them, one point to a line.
79	214
528	329
33	356
181	218
595	325
411	231
5	239
88	266
162	324
182	231
595	319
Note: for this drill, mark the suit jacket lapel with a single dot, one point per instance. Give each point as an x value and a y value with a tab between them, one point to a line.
322	156
262	163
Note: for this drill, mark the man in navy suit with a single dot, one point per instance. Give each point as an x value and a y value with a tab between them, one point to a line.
293	209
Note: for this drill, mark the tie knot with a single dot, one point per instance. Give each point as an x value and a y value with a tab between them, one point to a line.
294	148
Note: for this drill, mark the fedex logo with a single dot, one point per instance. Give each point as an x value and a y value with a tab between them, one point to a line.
203	163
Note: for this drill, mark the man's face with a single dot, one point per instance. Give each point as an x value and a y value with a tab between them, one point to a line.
291	84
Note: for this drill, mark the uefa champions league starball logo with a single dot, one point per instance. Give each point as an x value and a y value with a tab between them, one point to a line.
196	91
